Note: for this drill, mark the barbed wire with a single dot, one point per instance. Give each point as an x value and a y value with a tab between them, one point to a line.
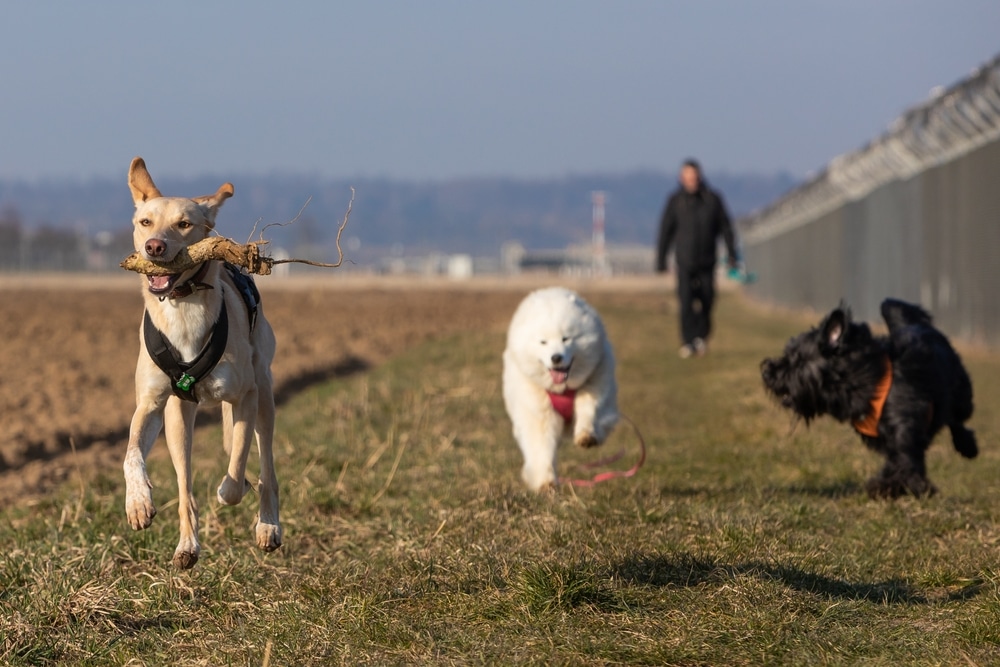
954	122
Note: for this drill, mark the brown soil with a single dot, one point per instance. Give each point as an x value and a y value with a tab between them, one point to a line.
70	345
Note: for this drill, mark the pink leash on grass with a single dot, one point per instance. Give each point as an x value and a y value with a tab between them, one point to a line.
613	474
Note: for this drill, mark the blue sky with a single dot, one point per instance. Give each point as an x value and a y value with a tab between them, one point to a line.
442	89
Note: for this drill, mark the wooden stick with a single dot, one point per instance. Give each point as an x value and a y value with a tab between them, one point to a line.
216	247
247	255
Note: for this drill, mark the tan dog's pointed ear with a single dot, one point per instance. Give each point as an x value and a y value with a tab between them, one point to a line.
212	203
140	182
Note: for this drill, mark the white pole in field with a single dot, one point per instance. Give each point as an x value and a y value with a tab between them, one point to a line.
597	197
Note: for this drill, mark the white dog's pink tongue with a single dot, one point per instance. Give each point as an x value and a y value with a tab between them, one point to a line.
558	377
159	282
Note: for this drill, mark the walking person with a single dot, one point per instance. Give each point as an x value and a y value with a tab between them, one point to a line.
692	222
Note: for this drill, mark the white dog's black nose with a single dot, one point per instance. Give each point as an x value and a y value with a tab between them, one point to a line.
155	248
557	359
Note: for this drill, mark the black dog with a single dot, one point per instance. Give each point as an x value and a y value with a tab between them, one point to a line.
896	390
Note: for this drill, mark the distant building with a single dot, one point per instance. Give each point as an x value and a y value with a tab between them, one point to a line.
578	259
460	267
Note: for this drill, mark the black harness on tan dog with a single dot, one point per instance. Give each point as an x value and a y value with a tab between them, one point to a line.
184	375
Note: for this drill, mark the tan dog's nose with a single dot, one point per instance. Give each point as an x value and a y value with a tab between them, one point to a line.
155	248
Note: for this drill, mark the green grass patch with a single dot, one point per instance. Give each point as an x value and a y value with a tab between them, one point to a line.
410	540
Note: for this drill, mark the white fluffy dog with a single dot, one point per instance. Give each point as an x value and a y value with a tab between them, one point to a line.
558	375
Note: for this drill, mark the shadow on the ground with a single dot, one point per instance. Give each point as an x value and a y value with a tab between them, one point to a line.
63	442
842	488
687	570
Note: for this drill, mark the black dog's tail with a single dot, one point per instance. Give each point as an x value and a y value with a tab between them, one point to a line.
898	314
961	410
964	441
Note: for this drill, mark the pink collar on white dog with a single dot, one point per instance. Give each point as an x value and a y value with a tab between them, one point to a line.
563	403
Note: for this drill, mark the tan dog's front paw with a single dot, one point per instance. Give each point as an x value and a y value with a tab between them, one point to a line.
187	551
185	560
139	509
586	440
268	535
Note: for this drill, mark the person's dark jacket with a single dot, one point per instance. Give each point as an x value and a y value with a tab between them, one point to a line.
691	224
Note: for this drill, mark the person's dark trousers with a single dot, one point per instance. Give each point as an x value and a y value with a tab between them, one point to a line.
695	294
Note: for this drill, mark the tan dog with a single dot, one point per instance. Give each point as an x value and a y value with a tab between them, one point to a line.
190	310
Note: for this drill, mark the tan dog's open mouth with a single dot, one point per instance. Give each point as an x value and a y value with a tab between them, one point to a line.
162	284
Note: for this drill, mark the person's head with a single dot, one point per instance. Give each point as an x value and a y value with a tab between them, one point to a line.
690	176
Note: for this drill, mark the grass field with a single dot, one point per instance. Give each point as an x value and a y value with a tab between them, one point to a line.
410	540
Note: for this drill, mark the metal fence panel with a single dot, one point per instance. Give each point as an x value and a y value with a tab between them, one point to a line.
802	268
962	245
914	215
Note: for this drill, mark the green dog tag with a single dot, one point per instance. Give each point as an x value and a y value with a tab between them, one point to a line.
184	384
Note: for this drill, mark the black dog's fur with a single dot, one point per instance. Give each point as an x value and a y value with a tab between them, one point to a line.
834	370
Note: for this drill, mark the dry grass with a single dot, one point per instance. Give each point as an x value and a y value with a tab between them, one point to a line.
409	539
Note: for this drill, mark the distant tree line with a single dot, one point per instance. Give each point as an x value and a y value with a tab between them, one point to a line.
391	218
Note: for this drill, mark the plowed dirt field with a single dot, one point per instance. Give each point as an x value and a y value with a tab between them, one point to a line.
69	346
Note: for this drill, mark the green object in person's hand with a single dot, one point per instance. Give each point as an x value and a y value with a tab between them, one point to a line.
741	275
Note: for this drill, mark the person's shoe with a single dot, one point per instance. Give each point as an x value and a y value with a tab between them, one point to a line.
685	352
700	346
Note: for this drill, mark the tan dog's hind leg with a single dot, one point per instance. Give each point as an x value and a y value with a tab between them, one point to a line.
268	529
146	424
238	420
179	418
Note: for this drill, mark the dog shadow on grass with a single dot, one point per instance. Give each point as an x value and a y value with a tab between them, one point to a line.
832	489
285	391
349	365
686	571
63	442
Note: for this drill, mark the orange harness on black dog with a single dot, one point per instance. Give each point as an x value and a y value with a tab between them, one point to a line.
869	425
